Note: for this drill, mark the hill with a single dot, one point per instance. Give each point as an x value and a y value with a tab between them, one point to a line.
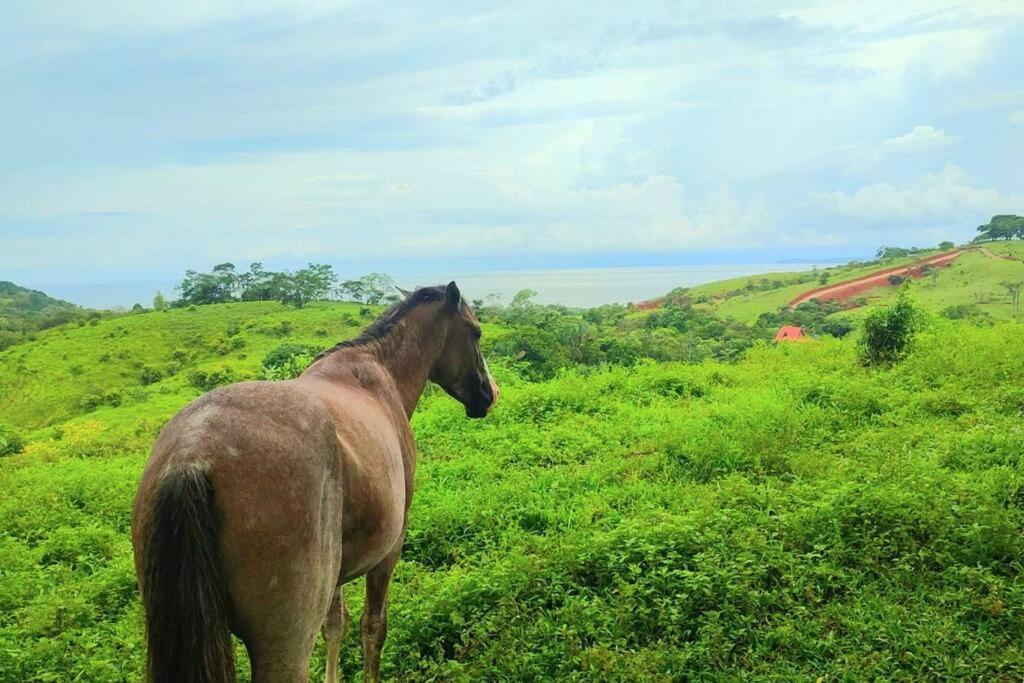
975	279
144	358
791	516
23	311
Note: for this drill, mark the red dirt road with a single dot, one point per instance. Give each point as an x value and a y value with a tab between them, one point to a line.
841	291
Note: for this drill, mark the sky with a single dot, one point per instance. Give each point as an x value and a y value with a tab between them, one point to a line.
140	139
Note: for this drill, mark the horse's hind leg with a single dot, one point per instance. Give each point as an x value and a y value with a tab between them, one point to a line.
334	628
374	622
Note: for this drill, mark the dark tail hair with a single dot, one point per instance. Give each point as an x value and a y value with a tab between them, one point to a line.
183	587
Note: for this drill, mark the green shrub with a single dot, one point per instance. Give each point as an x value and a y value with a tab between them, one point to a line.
151	375
282	354
889	330
208	379
12	440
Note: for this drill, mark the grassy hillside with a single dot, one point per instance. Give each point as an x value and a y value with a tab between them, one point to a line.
974	279
788	517
139	358
24	311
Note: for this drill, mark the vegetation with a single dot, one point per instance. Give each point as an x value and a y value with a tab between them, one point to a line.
791	515
1005	227
660	495
889	330
317	282
26	311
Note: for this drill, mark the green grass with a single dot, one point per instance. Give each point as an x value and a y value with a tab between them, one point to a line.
973	279
794	516
46	381
726	298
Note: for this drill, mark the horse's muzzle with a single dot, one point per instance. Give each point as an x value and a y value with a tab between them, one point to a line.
483	400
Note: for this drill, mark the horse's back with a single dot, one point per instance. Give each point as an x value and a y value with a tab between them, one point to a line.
376	449
271	455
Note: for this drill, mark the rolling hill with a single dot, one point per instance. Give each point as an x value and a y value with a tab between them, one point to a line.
976	279
24	311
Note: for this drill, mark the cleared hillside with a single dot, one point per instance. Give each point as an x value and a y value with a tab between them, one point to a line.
975	278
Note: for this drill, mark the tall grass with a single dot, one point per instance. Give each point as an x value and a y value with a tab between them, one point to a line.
793	516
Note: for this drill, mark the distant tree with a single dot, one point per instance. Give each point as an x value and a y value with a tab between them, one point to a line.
160	302
1014	289
577	338
138	308
946	246
883	252
204	288
1002	227
379	288
226	275
301	289
353	290
372	289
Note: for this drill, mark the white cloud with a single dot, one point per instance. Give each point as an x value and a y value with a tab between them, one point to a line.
921	139
340	128
948	196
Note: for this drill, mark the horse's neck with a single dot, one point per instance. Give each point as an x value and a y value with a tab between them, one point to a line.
406	353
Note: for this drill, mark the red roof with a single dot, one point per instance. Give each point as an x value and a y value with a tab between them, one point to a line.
789	332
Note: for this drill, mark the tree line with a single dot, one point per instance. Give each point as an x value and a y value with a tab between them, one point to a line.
1004	227
317	282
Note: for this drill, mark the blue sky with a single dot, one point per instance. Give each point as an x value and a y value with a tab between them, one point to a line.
139	139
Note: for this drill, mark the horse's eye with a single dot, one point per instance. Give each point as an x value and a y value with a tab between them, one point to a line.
477	333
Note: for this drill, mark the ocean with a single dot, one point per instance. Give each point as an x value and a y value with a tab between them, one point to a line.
574	287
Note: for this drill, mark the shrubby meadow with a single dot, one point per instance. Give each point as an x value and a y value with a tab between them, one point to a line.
781	512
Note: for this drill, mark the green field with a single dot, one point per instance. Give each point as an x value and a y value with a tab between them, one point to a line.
973	279
791	516
728	299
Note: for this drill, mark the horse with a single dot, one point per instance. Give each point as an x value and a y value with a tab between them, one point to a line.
261	499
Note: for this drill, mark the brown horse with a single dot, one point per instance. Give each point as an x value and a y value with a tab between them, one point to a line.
261	499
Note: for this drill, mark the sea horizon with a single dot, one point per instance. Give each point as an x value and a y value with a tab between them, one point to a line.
575	287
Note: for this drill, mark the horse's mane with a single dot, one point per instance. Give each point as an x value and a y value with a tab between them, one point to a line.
387	320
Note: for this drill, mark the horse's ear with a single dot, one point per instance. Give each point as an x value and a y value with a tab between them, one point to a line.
452	295
404	292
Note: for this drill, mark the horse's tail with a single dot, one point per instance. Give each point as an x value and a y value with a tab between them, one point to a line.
183	586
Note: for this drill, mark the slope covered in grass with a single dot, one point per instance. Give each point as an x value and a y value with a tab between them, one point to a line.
975	279
789	517
746	298
24	311
73	370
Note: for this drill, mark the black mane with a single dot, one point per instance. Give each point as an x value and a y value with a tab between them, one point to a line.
388	319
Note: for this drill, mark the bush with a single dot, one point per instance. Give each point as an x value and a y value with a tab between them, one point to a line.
151	375
889	330
281	355
111	397
965	312
211	378
11	440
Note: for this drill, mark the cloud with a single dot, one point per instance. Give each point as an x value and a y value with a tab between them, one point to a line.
355	130
1017	117
920	139
947	197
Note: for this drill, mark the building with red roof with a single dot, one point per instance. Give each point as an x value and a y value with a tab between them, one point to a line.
789	333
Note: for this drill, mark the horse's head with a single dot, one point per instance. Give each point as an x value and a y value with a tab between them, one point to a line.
460	368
